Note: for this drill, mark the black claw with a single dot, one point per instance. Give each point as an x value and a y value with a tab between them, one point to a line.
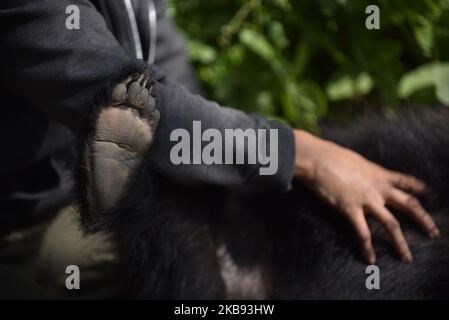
135	92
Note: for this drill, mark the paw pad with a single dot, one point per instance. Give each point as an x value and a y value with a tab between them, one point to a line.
123	134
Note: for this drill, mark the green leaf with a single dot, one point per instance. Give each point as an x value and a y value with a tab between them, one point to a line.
201	52
277	35
313	91
442	87
347	87
303	103
256	42
300	60
431	75
424	35
289	101
264	103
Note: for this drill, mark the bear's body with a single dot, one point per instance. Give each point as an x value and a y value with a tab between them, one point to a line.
217	243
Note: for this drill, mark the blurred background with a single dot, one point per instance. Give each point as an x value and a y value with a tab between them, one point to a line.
309	61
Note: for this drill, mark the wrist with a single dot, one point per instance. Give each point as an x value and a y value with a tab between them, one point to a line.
306	154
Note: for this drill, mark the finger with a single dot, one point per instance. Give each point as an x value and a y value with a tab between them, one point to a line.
394	229
358	220
407	182
410	205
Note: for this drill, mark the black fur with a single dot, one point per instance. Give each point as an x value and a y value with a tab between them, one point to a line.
169	234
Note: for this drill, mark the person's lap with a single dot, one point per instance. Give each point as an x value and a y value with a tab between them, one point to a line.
33	261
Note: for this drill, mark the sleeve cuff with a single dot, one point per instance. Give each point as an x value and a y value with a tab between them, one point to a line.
282	179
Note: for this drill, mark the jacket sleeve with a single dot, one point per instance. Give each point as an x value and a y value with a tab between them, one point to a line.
61	72
179	109
55	69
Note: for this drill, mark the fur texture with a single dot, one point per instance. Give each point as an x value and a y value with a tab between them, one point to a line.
208	243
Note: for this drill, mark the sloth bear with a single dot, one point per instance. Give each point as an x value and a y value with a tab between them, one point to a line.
215	243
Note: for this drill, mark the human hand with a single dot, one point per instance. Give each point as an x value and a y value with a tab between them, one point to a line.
357	187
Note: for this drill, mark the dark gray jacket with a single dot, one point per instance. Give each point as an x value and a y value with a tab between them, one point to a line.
50	76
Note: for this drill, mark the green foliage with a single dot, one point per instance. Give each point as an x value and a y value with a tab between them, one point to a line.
433	76
303	61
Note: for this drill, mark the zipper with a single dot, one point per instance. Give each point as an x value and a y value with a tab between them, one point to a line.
152	18
134	29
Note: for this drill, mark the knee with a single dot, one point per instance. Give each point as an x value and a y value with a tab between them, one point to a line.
64	245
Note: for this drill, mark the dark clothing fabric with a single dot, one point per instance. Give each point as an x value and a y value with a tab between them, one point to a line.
50	76
179	109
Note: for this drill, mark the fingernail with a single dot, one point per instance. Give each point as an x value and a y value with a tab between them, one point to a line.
407	258
435	233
